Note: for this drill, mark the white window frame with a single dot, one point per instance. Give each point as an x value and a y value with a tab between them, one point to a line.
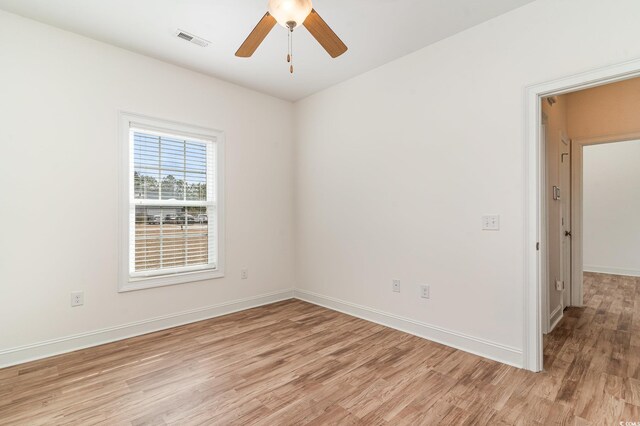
158	278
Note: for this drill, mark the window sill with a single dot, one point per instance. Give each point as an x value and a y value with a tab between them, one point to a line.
141	283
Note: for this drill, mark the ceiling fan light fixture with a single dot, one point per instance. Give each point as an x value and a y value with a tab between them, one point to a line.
287	12
291	14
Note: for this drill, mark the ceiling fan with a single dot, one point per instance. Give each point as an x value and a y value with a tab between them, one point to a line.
291	14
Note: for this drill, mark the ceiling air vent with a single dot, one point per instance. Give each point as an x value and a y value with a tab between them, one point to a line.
191	38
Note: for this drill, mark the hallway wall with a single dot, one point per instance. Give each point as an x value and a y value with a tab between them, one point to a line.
611	175
556	130
612	109
612	208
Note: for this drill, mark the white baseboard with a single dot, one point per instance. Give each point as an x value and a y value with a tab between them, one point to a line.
21	354
474	345
611	271
555	317
477	346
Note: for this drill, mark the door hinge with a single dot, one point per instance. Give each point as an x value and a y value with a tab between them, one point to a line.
538	246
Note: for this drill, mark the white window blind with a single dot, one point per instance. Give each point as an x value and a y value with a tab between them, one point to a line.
172	203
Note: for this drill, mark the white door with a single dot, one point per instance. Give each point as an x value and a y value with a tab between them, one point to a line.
565	220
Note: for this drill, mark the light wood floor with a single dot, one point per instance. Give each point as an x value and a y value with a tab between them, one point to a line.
296	363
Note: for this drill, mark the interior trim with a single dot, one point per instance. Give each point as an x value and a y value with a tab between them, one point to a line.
611	271
555	317
48	348
484	348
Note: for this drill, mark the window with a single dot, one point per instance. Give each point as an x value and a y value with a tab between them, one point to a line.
172	203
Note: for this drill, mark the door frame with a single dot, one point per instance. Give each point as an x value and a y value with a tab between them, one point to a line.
577	207
568	283
546	312
535	283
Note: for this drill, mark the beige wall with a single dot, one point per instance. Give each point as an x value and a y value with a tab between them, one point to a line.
613	109
610	174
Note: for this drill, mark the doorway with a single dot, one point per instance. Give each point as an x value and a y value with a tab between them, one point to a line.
549	289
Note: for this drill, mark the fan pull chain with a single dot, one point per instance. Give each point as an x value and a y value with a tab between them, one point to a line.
290	55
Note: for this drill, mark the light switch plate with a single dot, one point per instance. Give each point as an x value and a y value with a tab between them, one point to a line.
491	222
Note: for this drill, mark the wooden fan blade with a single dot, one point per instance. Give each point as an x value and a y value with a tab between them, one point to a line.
256	37
325	35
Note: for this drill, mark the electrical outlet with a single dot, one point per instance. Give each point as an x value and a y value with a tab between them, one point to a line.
77	298
395	286
244	273
491	222
425	292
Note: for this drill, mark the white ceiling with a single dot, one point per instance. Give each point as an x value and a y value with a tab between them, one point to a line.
376	31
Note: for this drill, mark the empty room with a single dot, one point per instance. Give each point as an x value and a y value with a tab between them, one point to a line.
285	212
